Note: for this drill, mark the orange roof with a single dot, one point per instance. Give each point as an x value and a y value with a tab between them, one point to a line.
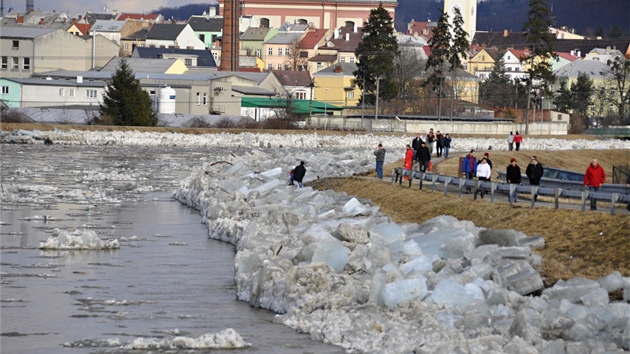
520	53
83	27
567	56
312	38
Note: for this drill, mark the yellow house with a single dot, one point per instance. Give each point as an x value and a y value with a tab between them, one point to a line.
335	85
481	64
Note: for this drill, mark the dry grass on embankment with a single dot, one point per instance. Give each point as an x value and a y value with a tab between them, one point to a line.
578	244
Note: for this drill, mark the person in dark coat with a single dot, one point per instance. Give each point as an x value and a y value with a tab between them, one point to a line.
298	174
438	143
423	156
534	172
513	175
415	145
446	143
469	167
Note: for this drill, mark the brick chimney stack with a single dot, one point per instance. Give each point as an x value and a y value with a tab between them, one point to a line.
229	44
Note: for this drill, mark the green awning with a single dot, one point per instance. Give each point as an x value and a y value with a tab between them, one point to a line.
300	106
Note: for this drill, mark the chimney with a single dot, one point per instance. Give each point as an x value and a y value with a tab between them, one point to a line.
336	33
338	69
20	19
505	33
42	21
79	79
347	36
212	11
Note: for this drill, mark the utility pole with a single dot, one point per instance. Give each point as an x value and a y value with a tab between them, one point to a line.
529	98
378	82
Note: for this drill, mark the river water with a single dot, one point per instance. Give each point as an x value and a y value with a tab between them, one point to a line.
167	279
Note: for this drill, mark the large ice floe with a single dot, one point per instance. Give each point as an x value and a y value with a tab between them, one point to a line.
337	268
77	239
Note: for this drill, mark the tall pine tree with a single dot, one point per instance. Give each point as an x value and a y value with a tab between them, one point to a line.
439	44
125	102
375	54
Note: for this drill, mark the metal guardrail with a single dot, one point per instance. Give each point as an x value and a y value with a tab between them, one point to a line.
613	194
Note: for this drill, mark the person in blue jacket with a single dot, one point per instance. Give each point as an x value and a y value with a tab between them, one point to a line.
469	167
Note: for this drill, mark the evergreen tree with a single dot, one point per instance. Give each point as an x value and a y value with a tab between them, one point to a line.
375	54
439	43
498	90
540	41
457	51
125	102
563	100
615	31
582	94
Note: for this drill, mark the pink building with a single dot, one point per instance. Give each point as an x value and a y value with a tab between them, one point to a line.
319	14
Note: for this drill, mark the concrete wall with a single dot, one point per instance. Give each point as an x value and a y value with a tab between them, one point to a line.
490	128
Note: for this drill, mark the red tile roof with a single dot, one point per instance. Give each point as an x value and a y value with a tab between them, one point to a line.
125	16
312	38
567	56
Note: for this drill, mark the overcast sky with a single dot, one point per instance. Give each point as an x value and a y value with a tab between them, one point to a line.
80	7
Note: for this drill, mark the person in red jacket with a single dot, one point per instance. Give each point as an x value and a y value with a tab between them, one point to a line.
408	161
594	177
518	139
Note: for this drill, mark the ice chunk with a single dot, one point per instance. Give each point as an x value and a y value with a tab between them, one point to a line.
267	187
457	248
353	207
420	264
331	252
612	281
403	290
449	292
501	237
77	240
391	232
273	173
432	242
597	296
571	289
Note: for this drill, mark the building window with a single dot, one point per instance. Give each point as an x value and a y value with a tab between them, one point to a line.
559	116
257	53
90	93
205	98
352	59
26	63
126	46
215	56
202	37
188	62
270	51
343	59
5	90
279	66
319	66
71	92
16	45
279	52
264	22
5	62
287	67
15	63
61	92
198	99
269	67
287	52
350	94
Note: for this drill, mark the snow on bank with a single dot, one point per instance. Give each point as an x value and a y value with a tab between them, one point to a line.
307	140
337	268
77	240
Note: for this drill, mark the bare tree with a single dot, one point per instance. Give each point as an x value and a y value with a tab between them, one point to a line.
297	61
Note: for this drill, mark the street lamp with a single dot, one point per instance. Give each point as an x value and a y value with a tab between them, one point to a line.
325	99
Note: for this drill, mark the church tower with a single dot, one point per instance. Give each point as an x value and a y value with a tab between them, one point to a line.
468	9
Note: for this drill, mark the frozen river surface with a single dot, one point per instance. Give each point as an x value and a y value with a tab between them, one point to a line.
166	280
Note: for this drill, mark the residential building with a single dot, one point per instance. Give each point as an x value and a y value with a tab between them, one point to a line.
79	29
191	57
91	17
135	40
482	64
165	35
421	29
253	39
500	40
111	30
19	93
309	47
297	84
413	44
603	54
563	59
26	51
37	18
160	66
281	52
598	72
209	26
316	13
149	18
335	85
345	41
515	67
319	62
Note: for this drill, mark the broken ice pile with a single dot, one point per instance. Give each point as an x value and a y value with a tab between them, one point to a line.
337	268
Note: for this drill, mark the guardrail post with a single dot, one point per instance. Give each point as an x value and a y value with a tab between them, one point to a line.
584	196
421	178
613	199
493	187
477	183
394	175
461	183
556	195
434	178
447	180
511	195
534	194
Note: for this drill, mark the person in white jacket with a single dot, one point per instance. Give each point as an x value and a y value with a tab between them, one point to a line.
484	172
